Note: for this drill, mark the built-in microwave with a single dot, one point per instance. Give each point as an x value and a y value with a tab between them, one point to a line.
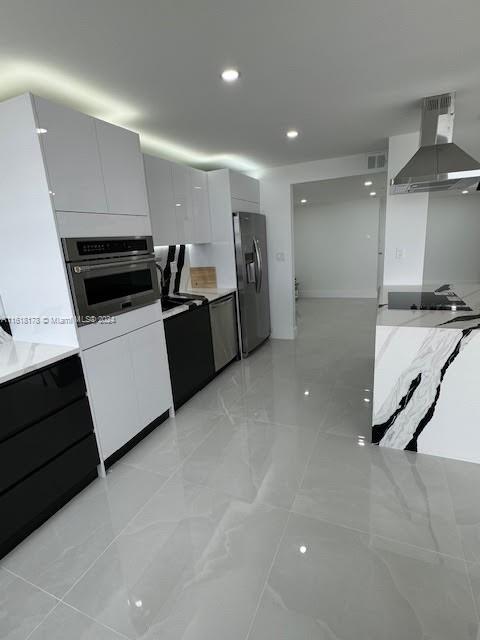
109	276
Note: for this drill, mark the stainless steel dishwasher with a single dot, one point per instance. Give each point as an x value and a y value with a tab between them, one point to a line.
223	320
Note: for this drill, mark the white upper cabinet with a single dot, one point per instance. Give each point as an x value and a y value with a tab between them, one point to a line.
72	158
182	193
122	168
244	187
161	200
179	202
201	206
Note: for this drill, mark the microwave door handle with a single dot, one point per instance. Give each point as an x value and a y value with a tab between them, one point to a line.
258	257
108	264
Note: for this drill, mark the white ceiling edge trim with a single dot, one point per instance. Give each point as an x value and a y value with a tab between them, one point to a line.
21	76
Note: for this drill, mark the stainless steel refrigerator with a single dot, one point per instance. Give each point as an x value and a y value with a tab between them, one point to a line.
252	278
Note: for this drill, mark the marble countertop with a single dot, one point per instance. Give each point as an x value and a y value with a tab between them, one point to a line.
469	293
18	358
210	294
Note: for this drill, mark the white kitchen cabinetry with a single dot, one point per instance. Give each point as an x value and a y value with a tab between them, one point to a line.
200	206
182	193
244	187
112	393
150	367
179	202
122	168
71	154
128	384
159	176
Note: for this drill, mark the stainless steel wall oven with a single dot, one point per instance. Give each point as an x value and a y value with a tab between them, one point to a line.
109	276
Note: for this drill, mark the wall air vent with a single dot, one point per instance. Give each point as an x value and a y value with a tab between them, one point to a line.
377	161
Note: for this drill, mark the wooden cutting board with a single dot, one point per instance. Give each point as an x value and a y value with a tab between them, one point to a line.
203	277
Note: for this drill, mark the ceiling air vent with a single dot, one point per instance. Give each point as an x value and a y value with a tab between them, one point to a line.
376	161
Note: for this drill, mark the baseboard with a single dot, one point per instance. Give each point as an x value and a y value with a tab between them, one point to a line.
338	293
135	440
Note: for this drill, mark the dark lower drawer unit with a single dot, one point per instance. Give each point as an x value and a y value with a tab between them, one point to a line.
190	352
28	399
30	449
48	451
32	501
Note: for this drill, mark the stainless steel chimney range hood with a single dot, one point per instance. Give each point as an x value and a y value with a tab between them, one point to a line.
439	164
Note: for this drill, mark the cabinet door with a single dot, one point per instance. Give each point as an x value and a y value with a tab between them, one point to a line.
71	155
190	352
182	190
150	367
161	200
201	206
112	392
123	170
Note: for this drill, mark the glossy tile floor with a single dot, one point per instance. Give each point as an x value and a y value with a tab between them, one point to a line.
262	513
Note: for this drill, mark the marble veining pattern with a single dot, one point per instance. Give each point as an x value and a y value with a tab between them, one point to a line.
409	407
261	512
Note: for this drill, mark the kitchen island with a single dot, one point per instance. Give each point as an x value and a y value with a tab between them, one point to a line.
427	375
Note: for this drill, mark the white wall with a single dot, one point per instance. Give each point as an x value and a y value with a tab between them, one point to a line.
336	249
406	220
276	203
452	250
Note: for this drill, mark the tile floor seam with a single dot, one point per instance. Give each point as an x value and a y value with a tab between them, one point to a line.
32	584
128	523
197	483
102	624
57	604
252	622
275	555
377	535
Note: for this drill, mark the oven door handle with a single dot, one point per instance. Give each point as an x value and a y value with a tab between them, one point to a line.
87	267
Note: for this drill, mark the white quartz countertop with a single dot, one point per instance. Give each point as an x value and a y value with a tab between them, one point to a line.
210	294
469	293
18	358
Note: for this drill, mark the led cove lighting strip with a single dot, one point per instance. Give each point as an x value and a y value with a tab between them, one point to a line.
18	77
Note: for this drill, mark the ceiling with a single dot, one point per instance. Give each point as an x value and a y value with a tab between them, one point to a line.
346	74
328	192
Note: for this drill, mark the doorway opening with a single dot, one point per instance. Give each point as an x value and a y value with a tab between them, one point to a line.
338	230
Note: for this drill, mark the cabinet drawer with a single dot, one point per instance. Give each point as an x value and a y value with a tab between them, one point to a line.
31	398
32	501
30	449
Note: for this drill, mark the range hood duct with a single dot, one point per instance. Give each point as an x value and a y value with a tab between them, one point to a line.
439	164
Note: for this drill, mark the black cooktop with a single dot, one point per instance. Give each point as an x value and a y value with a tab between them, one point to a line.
426	300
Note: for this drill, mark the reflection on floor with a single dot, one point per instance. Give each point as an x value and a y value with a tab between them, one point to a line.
262	512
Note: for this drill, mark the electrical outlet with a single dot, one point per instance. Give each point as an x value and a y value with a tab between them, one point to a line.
399	253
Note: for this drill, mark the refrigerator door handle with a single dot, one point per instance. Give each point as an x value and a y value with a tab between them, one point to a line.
258	256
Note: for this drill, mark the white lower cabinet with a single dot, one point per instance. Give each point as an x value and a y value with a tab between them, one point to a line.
150	368
128	384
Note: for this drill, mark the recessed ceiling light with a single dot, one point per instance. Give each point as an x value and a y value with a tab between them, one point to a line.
292	133
368	183
303	548
373	193
178	204
41	130
230	75
306	392
303	201
465	191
